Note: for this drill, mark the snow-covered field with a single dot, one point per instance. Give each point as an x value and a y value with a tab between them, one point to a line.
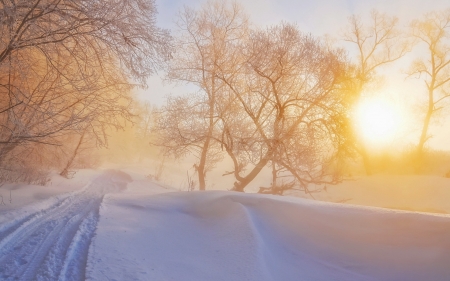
112	225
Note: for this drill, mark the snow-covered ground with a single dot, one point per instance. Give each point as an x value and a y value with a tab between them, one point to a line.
50	240
112	225
412	193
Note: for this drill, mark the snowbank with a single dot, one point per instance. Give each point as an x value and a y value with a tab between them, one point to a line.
219	235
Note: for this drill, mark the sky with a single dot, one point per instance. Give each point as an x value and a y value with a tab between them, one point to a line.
323	17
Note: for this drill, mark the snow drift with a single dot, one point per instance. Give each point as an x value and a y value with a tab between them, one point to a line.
220	235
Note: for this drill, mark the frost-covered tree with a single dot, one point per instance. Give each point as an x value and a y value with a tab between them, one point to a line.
378	43
288	108
68	66
264	98
433	32
203	47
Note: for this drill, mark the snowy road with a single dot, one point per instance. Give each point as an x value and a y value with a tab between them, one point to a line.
53	242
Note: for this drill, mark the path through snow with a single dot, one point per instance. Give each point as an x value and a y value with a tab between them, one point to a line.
53	243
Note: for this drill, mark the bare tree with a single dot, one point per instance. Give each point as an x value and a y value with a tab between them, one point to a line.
123	29
62	101
146	118
266	97
202	47
68	65
432	31
286	107
181	129
378	43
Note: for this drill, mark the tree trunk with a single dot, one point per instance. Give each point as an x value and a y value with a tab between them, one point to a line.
423	135
274	175
366	161
65	171
241	184
201	166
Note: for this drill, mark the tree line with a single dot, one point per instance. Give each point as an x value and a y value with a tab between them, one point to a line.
280	99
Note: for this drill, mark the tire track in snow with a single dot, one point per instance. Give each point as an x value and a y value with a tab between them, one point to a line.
12	226
53	244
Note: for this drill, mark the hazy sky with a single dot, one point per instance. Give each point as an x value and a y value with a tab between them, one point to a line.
318	17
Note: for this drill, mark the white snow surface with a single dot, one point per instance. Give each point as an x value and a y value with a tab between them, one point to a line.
122	226
50	240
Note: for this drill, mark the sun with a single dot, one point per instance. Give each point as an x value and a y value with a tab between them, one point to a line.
378	121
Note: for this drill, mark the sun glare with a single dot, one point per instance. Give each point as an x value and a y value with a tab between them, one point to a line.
378	121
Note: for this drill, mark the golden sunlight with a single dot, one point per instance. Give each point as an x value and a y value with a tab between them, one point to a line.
378	121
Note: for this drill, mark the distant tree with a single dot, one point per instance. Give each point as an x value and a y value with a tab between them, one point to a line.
146	119
202	47
71	159
286	108
378	43
432	31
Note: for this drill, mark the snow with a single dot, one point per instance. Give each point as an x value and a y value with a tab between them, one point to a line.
112	225
403	192
52	238
26	194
